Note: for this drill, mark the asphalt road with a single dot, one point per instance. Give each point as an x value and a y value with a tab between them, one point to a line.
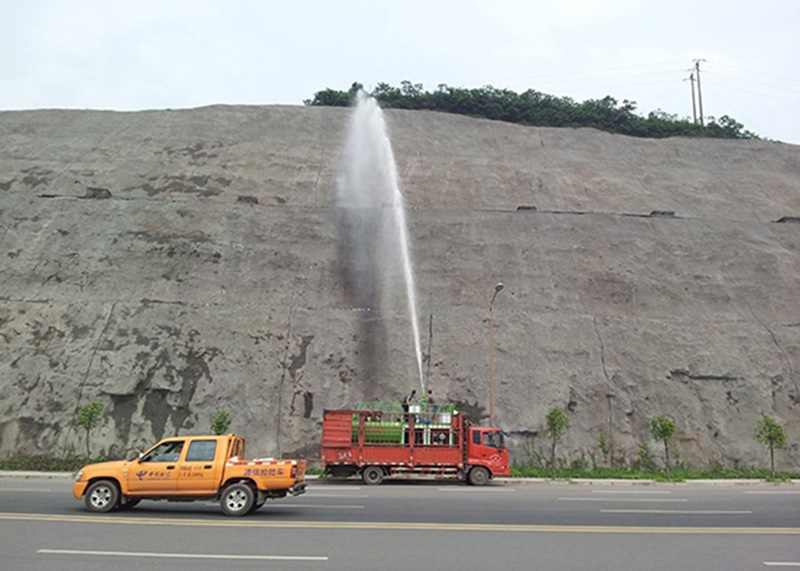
400	525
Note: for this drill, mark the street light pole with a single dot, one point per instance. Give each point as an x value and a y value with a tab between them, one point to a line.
497	289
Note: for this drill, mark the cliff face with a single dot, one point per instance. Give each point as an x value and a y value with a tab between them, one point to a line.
642	278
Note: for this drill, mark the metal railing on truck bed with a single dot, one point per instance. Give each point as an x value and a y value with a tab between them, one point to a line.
388	423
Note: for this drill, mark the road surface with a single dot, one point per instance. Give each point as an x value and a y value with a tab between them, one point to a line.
402	525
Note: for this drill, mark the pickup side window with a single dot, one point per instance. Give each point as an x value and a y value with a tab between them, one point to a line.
202	451
165	452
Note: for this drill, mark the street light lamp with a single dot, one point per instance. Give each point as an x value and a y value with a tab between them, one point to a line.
497	290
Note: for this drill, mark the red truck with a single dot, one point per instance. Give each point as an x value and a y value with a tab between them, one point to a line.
379	440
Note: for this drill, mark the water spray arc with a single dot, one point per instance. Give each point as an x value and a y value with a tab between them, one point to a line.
373	228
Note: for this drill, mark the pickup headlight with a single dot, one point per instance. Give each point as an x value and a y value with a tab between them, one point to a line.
78	476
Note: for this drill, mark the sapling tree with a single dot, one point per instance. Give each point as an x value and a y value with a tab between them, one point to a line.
557	424
662	429
220	422
770	433
88	418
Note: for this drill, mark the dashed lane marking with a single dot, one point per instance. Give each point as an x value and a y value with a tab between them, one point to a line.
637	492
680	512
644	500
183	555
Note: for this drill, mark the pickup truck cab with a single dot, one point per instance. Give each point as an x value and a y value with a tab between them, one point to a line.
189	468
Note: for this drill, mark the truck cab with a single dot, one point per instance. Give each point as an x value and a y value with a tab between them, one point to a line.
486	455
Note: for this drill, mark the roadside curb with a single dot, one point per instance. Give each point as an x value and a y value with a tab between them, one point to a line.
23	474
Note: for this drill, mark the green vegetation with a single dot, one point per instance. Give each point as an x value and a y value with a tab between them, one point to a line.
642	466
770	433
677	474
557	424
220	422
662	429
88	418
538	109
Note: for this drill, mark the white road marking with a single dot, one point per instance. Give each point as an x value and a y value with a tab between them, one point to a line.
182	555
472	490
42	490
337	496
631	492
648	500
327	506
782	563
772	492
682	512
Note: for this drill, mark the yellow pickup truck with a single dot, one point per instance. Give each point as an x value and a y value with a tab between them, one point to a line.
189	468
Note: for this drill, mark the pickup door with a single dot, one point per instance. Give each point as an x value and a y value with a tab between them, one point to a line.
200	468
184	467
156	472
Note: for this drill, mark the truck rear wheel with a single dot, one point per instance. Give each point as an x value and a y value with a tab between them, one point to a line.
102	496
237	499
372	475
478	476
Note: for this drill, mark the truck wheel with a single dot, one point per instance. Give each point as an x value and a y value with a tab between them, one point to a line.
237	499
102	496
478	476
372	475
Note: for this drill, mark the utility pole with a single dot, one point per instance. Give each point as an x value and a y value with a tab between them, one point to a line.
694	105
497	289
699	92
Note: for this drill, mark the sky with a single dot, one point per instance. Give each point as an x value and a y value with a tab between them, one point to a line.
173	54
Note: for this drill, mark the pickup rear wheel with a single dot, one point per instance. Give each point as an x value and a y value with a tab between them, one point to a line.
101	496
372	475
478	476
237	499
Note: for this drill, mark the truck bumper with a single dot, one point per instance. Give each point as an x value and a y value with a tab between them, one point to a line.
297	489
78	488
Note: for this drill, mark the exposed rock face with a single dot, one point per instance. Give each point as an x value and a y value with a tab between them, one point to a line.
642	278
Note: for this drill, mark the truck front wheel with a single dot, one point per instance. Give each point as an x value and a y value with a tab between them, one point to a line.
478	476
372	475
237	499
102	496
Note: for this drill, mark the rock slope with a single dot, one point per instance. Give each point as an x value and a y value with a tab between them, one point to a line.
643	277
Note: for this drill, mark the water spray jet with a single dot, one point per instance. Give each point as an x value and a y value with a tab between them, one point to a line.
374	238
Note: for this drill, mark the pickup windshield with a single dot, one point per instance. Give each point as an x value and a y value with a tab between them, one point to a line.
164	452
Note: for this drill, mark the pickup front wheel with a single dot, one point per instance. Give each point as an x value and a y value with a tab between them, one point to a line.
101	496
237	499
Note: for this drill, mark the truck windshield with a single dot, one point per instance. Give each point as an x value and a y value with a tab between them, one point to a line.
493	439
